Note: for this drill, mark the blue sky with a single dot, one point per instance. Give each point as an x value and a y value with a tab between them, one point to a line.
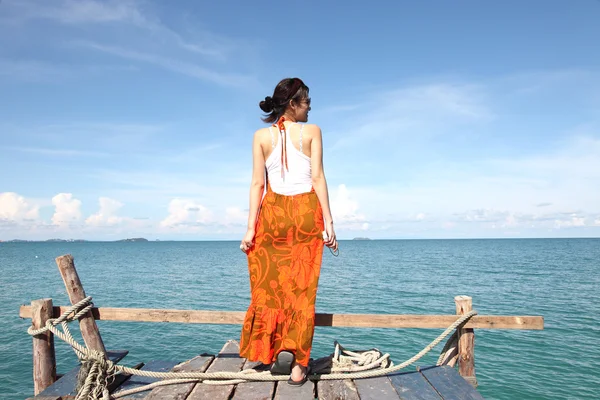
463	119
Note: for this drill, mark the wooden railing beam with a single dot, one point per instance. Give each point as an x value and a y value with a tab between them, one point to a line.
336	320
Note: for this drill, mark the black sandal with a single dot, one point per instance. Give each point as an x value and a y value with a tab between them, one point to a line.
300	382
283	364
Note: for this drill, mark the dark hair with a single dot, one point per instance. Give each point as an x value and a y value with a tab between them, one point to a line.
286	90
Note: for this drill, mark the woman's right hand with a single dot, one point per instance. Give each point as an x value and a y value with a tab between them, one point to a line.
248	240
331	240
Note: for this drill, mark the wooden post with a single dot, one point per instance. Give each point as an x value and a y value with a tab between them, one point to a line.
466	342
87	324
44	357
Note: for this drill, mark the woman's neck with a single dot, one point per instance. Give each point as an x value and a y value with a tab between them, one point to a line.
289	118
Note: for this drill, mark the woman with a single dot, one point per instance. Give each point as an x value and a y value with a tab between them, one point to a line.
286	234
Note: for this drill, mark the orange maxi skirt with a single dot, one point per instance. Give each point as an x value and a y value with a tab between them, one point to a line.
284	266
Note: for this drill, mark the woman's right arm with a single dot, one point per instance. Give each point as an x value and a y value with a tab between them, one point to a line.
320	183
257	187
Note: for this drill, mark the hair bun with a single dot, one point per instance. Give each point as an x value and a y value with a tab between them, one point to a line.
267	104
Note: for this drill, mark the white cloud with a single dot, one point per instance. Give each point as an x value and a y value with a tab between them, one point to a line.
67	209
186	213
236	216
16	208
571	221
106	215
344	208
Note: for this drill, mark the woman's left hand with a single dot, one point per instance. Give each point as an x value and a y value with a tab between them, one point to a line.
248	240
331	241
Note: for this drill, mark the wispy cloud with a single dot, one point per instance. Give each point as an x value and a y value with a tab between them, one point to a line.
33	71
75	11
57	152
395	115
127	12
144	38
182	67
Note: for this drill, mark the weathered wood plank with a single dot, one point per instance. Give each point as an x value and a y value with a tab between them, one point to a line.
413	386
254	390
181	390
44	358
228	360
139	381
119	379
341	320
337	390
66	385
87	324
466	339
376	389
284	391
449	384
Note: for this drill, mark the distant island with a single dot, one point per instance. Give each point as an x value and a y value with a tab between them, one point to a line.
361	238
133	240
48	240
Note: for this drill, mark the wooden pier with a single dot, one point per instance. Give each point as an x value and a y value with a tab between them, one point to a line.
424	382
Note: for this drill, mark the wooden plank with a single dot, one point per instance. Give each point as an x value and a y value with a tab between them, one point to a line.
288	392
341	320
139	381
119	379
449	384
181	390
44	358
254	390
228	360
38	397
66	385
87	324
413	386
379	388
337	390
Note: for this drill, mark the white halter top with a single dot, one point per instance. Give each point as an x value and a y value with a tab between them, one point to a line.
294	179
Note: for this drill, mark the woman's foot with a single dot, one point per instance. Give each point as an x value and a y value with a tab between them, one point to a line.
299	375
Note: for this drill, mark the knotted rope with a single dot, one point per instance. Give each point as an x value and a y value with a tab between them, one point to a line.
101	371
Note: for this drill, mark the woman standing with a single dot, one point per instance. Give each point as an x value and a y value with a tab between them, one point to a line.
286	234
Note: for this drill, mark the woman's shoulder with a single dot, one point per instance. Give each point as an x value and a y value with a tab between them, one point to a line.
262	133
311	129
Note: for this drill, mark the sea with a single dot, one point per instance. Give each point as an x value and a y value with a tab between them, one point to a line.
558	279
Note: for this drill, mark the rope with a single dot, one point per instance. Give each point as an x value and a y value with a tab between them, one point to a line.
102	371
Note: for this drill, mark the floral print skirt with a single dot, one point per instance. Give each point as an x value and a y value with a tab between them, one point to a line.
284	266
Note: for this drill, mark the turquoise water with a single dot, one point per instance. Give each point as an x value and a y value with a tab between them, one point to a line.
556	278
